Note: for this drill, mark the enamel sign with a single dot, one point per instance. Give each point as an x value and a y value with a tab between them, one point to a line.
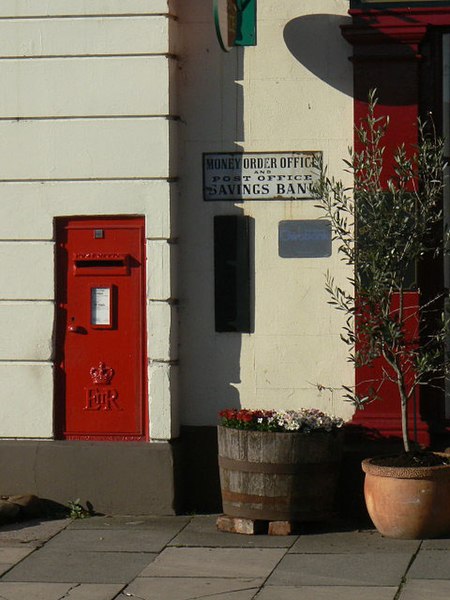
241	176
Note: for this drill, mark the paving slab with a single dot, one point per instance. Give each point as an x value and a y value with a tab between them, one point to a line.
421	589
430	564
13	554
215	562
61	566
202	531
33	533
4	568
10	556
192	588
369	569
438	544
115	540
328	593
352	541
172	524
58	591
238	595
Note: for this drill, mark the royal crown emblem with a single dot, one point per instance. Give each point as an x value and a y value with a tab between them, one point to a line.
102	374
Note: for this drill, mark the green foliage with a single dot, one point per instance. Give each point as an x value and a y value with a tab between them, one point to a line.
384	229
77	511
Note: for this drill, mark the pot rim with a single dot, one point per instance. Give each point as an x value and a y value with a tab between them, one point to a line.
406	472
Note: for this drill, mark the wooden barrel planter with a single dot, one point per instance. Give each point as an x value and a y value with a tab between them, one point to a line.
279	476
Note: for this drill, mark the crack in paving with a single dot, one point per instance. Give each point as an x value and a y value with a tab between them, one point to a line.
212	595
403	580
131	595
261	587
69	591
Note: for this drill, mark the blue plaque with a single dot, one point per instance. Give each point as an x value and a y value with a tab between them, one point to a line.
304	239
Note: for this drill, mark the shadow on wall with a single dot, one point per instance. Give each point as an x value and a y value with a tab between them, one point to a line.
215	253
231	282
306	37
211	122
301	35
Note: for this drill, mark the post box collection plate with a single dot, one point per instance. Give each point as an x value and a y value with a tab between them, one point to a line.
101	306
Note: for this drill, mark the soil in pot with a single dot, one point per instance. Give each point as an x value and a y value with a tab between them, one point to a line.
416	458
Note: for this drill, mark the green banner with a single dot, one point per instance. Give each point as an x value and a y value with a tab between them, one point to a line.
246	23
235	23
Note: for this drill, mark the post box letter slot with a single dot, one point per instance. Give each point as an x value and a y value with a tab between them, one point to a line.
101	264
82	264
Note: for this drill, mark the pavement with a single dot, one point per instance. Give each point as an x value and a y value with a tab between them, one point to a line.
186	558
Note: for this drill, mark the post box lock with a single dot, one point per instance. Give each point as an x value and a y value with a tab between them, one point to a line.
73	328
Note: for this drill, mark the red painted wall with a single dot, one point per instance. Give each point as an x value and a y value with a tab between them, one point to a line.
387	57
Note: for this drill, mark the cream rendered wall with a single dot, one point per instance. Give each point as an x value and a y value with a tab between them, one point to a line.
290	92
86	123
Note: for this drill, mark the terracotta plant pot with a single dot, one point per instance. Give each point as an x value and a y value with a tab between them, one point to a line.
279	476
408	502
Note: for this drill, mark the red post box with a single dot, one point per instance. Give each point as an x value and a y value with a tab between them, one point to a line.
100	350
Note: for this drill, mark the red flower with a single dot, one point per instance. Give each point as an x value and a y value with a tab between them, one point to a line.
245	415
